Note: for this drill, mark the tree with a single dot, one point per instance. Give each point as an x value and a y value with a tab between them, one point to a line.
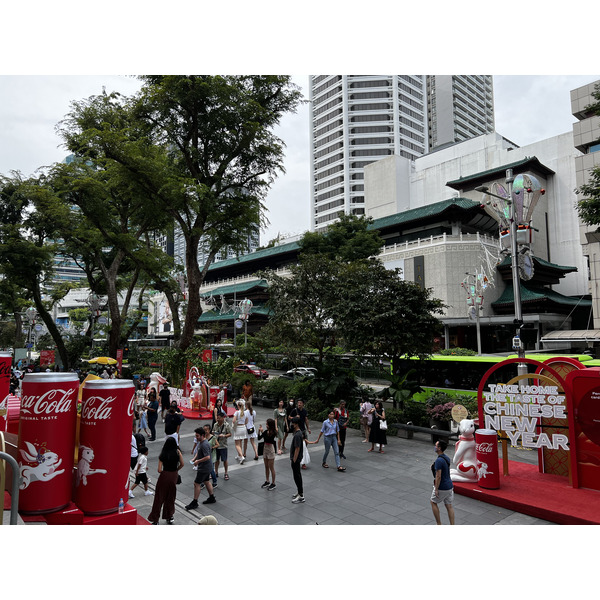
27	250
385	316
203	149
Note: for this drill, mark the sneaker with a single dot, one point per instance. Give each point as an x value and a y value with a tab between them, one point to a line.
171	521
271	487
266	484
195	468
210	500
148	493
294	496
131	494
215	484
202	486
192	505
242	460
298	500
237	458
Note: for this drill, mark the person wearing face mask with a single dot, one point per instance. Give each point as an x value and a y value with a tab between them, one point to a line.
443	488
291	405
331	431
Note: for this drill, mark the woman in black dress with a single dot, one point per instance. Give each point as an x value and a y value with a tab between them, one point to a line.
377	435
170	461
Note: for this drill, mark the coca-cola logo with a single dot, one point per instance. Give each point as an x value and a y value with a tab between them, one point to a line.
485	447
5	367
131	407
97	408
54	401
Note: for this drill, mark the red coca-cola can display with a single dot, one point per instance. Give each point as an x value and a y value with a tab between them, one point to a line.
47	423
486	453
103	460
5	365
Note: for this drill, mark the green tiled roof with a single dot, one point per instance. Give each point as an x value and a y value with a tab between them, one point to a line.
237	288
431	210
535	294
544	263
520	165
265	252
212	316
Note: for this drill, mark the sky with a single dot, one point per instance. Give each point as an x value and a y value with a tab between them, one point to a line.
528	108
54	52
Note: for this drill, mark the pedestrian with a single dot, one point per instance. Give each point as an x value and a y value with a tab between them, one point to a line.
331	430
170	461
143	411
269	436
204	464
342	416
217	410
251	429
366	418
140	472
443	488
301	413
222	429
247	390
239	430
280	418
295	460
173	421
376	434
213	442
291	405
153	408
165	400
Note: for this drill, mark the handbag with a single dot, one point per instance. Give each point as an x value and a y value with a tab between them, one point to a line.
250	430
382	424
178	479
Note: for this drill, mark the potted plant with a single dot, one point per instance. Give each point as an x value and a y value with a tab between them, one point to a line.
439	408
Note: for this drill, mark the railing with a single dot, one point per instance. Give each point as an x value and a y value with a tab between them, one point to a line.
464	238
14	504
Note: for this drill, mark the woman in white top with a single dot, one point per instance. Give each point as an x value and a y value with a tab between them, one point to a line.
252	433
239	430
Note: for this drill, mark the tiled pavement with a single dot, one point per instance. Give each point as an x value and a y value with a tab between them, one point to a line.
376	489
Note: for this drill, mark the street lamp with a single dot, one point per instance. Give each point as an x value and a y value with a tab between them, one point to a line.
516	214
31	314
475	284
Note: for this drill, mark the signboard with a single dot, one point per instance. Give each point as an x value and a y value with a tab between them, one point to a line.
46	357
120	360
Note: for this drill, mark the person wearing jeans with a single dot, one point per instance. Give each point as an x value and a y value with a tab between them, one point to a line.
331	430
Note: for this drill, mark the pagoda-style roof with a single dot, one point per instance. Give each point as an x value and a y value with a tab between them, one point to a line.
538	299
520	166
544	272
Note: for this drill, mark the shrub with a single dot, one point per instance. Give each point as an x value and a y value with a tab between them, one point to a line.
415	412
457	352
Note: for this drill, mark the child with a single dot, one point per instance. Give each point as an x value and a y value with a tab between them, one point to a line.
140	471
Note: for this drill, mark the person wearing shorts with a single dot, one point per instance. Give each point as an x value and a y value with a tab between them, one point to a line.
443	488
222	430
205	467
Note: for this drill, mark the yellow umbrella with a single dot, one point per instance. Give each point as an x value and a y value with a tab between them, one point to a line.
103	360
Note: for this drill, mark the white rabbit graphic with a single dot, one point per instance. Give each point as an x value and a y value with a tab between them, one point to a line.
83	466
44	469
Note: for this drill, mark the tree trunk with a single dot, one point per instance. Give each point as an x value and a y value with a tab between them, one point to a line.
51	325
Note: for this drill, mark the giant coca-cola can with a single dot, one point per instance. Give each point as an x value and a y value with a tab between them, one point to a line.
486	454
47	423
5	365
105	430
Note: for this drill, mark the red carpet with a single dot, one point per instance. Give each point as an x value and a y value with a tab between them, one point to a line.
547	497
204	414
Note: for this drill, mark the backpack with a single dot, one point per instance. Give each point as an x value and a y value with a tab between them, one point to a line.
140	440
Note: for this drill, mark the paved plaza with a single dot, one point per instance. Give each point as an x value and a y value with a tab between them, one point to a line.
376	489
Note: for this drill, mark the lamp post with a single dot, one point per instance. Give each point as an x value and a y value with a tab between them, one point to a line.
518	321
31	314
475	284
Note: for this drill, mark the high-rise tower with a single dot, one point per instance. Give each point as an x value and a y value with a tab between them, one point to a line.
359	119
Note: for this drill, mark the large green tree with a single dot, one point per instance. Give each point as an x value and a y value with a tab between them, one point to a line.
204	151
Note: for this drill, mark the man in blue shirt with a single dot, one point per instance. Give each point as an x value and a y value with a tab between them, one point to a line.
443	489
